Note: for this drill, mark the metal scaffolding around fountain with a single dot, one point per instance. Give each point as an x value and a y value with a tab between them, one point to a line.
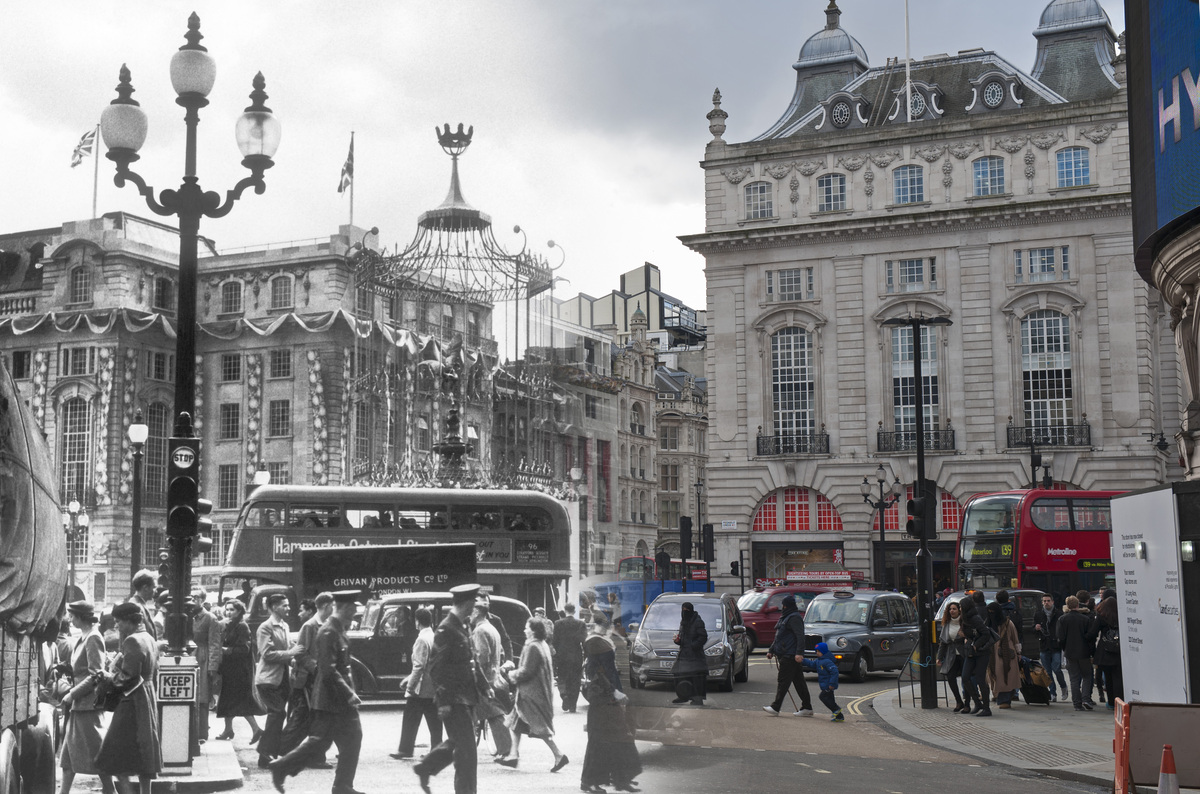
455	255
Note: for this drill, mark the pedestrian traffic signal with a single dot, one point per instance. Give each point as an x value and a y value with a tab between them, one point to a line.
735	568
166	573
685	537
706	543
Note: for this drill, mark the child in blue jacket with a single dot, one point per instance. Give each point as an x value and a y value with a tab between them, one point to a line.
827	679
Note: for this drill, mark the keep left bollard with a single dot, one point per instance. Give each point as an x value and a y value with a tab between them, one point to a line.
176	702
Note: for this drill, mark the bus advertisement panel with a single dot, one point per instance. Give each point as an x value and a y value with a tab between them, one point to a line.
1050	540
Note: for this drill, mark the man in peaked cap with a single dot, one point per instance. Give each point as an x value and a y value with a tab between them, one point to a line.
334	704
456	691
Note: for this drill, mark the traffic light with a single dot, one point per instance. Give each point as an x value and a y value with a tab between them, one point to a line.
663	561
685	536
735	568
706	543
922	512
183	488
203	541
166	573
916	517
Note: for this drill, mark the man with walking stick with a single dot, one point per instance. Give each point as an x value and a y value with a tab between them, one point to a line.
788	650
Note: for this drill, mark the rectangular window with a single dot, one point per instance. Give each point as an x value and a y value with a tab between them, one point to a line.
1047	370
793	384
160	366
279	418
1041	264
908	184
281	293
668	513
364	302
1017	268
447	321
796	284
604	482
230	421
1073	167
758	201
668	437
279	363
231	367
22	364
473	325
281	472
1066	262
831	193
904	389
988	173
229	486
910	275
77	361
362	431
424	440
670	477
589	406
164	294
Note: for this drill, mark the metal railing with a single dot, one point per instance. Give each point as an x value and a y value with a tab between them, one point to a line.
1078	435
906	440
815	443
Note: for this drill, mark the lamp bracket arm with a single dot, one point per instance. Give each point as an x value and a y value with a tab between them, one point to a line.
212	207
124	174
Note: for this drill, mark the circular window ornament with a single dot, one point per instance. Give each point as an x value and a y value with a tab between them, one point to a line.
993	94
916	105
840	115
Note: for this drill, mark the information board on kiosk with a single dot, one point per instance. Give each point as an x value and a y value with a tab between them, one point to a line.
384	570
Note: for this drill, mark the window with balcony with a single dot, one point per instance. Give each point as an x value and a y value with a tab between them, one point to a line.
911	275
988	176
793	383
1046	369
904	384
831	193
759	203
1073	167
908	184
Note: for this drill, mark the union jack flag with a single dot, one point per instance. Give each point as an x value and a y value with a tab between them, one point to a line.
84	147
347	169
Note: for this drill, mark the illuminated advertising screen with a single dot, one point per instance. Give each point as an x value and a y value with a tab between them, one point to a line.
1164	111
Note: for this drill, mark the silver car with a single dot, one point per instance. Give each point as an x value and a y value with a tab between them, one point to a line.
652	654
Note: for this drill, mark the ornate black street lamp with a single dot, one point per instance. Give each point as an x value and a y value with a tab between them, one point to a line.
75	521
123	125
887	498
139	431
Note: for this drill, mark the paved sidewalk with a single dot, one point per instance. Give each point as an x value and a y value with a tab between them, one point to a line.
1053	740
215	769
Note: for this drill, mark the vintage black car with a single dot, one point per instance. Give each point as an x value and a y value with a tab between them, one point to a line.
381	645
867	630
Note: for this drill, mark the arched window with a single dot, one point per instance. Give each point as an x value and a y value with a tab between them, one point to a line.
793	382
988	176
154	484
281	292
1047	380
759	202
908	184
75	451
1074	168
831	193
80	285
796	510
231	297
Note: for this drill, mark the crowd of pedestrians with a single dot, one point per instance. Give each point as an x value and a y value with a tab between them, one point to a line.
980	644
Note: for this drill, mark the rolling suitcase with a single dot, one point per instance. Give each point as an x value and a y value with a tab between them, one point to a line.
1035	683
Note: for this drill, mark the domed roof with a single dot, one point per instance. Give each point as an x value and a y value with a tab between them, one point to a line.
1064	15
831	45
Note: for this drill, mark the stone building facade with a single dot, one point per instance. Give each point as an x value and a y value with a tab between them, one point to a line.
1003	205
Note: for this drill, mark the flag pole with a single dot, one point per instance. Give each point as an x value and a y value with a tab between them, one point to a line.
352	181
96	170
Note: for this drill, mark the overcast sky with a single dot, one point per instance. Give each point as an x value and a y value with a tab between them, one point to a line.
589	115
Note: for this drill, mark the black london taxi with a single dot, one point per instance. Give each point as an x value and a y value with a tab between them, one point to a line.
866	630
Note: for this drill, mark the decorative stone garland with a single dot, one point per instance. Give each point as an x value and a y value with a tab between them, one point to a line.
254	413
316	401
128	396
342	441
104	402
41	366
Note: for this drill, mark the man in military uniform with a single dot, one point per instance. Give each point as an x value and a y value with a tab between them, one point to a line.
457	687
334	704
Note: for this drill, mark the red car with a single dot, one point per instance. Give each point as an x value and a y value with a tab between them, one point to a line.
762	606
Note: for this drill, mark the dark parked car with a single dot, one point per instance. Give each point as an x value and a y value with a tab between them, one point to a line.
381	645
1029	603
867	630
761	607
653	652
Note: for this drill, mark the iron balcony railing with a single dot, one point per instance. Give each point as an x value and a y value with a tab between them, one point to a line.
906	440
1078	435
815	443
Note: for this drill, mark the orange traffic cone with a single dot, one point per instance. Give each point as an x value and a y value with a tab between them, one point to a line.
1167	782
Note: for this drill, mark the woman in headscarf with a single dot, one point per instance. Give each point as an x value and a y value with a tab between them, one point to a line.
533	714
131	746
82	740
237	673
1004	665
611	758
977	651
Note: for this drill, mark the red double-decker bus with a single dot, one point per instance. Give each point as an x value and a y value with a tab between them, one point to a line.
1050	540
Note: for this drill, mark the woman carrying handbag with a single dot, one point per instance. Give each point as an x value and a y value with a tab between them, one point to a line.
81	711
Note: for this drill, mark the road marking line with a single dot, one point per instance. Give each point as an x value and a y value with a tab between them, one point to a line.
854	705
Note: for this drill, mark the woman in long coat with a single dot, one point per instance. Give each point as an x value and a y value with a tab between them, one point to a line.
131	746
950	651
977	651
611	758
82	740
1004	666
533	714
237	673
